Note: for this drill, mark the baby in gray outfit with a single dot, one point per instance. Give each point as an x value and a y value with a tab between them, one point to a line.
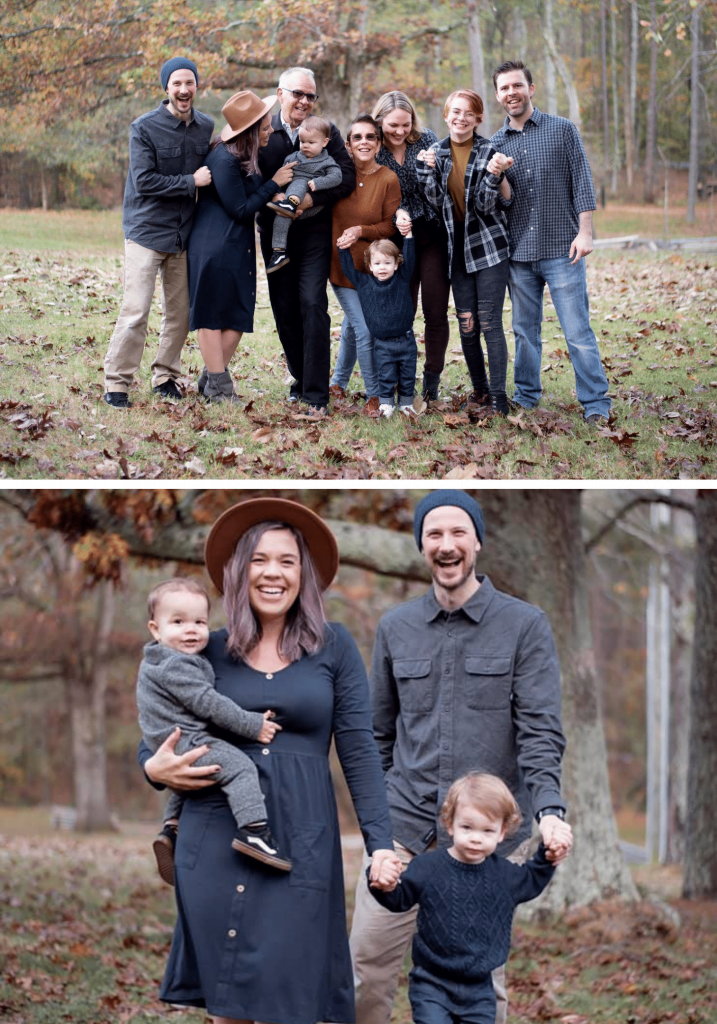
176	687
315	170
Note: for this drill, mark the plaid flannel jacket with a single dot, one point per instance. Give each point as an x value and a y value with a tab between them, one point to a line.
552	184
486	234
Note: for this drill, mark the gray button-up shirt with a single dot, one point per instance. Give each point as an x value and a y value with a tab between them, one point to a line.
159	197
552	185
475	689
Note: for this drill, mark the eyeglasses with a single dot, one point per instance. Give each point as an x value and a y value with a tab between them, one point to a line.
370	137
467	115
298	94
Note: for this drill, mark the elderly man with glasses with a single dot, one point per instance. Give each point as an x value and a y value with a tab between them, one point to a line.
298	295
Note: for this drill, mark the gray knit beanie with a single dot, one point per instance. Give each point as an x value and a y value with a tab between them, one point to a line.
448	497
177	64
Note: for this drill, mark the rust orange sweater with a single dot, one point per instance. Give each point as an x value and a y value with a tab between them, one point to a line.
372	204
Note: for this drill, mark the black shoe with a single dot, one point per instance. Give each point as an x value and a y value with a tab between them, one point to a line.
169	389
202	380
117	399
285	207
499	404
278	260
258	842
163	847
430	386
481	398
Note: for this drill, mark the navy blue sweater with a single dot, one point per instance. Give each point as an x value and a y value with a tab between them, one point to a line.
386	305
465	910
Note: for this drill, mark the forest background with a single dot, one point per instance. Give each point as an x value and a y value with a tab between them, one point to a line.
637	77
628	580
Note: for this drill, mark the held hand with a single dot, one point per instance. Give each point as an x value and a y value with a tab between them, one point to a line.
428	156
403	223
582	245
269	729
203	176
349	236
284	175
499	163
557	836
177	770
385	870
312	186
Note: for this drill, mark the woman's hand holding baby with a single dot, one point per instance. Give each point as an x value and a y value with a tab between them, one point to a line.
284	175
403	222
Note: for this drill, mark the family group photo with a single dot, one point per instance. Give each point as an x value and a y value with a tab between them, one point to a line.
358	518
373	756
335	244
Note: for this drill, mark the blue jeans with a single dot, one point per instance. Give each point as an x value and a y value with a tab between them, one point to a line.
438	1001
396	368
356	342
568	290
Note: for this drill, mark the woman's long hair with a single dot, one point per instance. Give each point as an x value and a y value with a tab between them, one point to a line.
244	147
304	629
398	101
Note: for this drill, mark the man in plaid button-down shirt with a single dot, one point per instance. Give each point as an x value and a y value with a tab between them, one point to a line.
550	229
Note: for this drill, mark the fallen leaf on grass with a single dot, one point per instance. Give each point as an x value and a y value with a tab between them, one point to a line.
399	452
335	454
196	466
456	419
14	457
263	435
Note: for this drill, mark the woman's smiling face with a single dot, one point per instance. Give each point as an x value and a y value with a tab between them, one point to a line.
274	575
396	126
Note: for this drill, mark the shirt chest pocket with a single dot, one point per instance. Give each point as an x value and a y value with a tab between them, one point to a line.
413	679
170	160
488	682
202	150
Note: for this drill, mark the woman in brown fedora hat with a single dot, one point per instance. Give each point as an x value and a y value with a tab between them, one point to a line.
253	944
221	252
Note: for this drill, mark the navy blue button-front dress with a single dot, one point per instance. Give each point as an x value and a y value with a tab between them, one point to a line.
252	942
221	254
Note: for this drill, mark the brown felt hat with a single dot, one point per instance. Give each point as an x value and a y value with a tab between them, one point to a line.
242	110
229	527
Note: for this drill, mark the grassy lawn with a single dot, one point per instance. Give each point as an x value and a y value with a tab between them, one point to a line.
60	289
85	927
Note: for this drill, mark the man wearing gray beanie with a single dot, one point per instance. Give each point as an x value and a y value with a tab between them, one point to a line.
465	678
167	150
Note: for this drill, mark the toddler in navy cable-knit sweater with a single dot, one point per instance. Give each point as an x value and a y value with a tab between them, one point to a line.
467	896
388	311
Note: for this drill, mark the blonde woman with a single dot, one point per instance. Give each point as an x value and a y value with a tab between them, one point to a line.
403	139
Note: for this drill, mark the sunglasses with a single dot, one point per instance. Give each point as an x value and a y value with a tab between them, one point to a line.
371	137
299	95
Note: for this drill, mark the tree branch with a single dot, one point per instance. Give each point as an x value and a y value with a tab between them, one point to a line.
640	499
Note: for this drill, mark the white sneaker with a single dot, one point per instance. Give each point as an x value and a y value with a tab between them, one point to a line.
386	410
406	410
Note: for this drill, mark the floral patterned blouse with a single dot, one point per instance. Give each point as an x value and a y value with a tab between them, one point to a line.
412	199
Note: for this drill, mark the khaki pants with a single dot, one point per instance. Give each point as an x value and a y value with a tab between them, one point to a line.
379	941
126	347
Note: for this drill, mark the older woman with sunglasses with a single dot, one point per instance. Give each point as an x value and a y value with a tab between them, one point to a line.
358	220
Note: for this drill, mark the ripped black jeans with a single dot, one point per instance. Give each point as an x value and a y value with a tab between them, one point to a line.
479	301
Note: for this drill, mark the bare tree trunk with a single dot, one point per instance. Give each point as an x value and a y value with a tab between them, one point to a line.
536	552
651	140
43	188
85	672
634	53
551	86
694	118
682	601
566	78
615	103
700	865
627	104
475	53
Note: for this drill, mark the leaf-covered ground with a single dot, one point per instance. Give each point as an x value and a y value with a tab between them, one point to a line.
654	314
85	927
